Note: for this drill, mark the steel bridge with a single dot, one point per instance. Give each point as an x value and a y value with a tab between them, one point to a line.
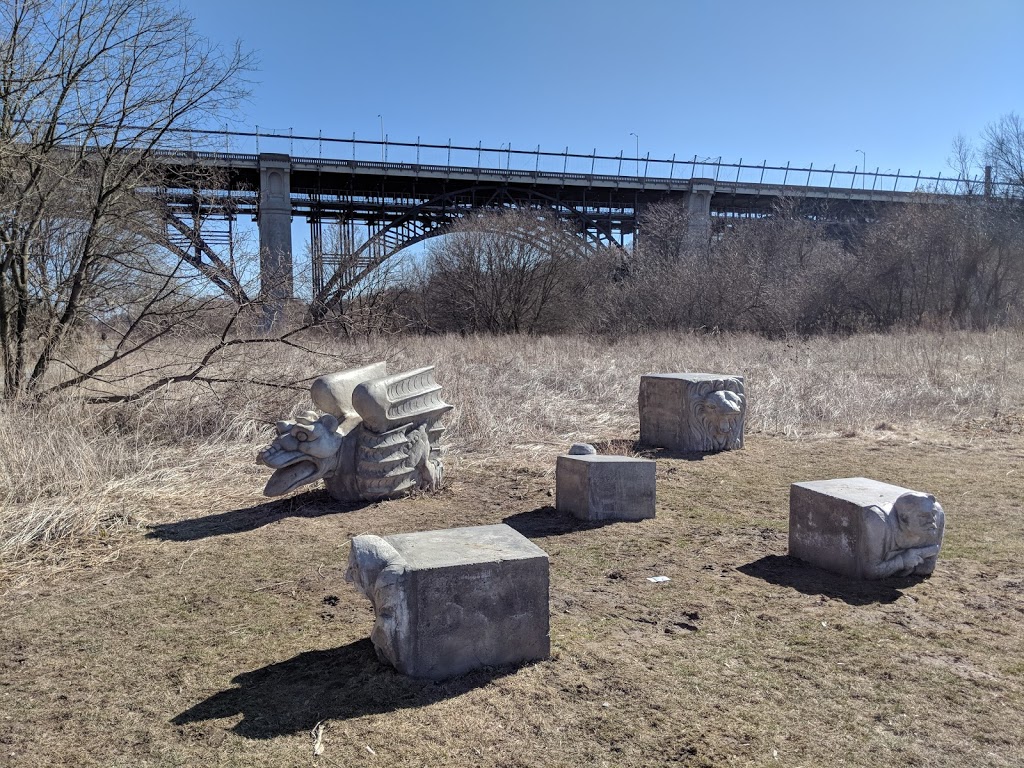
382	206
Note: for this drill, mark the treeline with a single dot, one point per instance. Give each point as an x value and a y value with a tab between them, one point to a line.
923	264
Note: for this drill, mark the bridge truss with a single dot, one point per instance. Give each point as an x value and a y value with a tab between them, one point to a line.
381	207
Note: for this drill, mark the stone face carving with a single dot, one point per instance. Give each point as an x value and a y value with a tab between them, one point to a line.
454	600
692	411
865	529
716	410
377	439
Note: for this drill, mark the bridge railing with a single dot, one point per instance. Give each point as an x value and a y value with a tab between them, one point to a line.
724	175
524	162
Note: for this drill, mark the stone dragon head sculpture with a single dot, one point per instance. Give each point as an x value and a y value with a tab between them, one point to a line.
377	438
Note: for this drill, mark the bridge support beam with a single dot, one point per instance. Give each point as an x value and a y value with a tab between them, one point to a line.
275	225
698	212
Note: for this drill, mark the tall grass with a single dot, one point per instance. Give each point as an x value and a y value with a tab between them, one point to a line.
69	469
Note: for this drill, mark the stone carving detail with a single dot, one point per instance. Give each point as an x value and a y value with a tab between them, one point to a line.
377	571
865	529
377	439
716	407
692	412
904	540
454	600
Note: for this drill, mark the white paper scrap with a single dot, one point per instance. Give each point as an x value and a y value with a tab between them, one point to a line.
657	579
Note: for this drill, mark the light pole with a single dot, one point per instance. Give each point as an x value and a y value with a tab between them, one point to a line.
637	153
383	156
863	175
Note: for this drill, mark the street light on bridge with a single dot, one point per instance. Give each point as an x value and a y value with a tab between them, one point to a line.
637	153
863	174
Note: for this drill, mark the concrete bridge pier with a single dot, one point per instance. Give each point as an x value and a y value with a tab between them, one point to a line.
275	224
698	212
696	203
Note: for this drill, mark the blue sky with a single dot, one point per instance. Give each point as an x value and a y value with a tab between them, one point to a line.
802	82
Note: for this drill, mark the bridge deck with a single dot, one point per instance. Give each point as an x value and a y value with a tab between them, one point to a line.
335	185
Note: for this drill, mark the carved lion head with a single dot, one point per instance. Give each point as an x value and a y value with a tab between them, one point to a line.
717	410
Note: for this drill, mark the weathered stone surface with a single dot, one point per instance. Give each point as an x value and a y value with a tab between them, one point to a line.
582	449
454	600
863	528
377	438
692	411
332	393
605	487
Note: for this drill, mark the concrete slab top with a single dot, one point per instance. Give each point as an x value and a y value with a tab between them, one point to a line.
695	377
592	458
862	491
463	546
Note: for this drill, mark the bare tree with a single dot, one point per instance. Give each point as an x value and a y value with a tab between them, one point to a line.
89	91
1001	152
1004	150
505	272
964	162
770	275
956	263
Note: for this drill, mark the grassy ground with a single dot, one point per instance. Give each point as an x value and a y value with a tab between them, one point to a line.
223	633
213	627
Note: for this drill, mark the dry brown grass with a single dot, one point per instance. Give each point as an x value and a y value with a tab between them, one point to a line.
82	466
194	623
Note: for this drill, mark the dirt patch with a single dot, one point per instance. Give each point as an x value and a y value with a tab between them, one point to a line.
223	633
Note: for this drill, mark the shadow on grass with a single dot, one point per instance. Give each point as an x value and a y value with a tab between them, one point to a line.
548	521
335	684
786	571
311	504
644	451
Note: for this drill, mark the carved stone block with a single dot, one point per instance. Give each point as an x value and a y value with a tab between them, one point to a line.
692	411
454	600
377	438
605	487
863	528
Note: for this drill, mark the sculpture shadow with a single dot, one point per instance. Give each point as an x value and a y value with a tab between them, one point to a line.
335	684
787	571
625	447
547	521
644	451
311	504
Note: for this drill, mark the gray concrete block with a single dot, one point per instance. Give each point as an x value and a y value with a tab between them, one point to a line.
863	528
451	601
692	411
605	487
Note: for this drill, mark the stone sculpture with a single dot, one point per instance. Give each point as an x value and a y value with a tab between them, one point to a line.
377	571
605	488
377	438
692	411
453	600
865	529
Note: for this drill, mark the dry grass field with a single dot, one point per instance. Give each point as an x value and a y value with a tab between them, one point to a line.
156	610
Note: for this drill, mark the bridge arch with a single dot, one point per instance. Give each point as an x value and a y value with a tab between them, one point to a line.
436	217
